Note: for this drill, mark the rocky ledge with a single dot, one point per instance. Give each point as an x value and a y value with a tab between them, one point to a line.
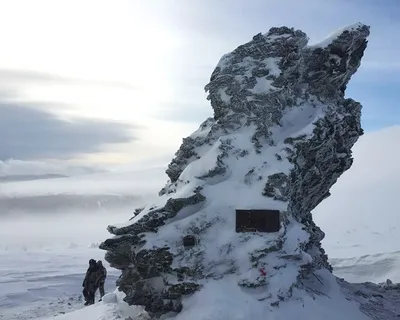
281	136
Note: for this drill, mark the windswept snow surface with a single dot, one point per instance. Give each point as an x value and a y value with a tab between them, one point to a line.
221	300
36	284
360	219
328	40
49	229
361	216
112	307
375	268
42	265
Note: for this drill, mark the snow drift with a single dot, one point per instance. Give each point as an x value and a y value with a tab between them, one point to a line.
281	136
365	199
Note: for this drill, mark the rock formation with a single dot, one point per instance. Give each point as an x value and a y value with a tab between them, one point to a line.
281	135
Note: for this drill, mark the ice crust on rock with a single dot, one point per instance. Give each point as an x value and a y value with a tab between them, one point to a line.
281	136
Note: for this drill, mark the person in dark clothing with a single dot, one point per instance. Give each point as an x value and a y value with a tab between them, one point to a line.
89	283
101	278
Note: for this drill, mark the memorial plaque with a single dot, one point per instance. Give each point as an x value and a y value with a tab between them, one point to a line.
257	220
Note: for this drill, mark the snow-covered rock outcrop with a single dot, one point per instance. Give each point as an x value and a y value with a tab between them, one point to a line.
281	136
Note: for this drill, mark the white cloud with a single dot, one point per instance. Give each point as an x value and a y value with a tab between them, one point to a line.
134	60
14	167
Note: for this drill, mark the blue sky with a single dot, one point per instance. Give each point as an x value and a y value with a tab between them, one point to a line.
379	99
119	82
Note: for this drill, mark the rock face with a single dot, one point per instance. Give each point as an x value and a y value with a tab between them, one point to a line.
281	136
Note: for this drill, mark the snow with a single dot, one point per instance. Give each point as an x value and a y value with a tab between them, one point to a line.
101	311
263	84
224	96
42	267
272	65
44	253
199	168
223	299
45	282
360	219
327	41
297	122
361	216
376	267
224	254
112	307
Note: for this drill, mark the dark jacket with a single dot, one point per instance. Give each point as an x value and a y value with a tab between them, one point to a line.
89	283
101	274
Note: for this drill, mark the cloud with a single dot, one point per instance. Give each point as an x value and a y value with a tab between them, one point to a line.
8	76
167	79
29	133
14	169
191	113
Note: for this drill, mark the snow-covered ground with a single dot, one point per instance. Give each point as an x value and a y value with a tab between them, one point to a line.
38	283
376	268
44	252
49	229
361	219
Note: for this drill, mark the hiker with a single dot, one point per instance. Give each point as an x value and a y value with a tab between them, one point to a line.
89	283
101	278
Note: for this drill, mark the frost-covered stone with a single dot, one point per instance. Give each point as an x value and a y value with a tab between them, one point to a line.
281	135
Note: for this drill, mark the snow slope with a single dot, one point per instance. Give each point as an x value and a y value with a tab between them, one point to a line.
52	275
112	307
361	216
49	229
376	268
35	284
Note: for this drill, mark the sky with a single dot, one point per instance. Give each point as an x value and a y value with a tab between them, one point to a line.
87	85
